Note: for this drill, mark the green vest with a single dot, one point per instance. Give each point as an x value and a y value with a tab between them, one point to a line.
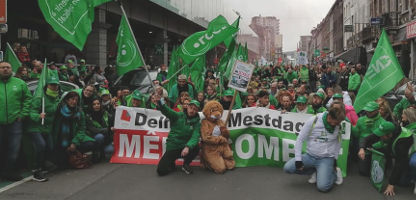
304	74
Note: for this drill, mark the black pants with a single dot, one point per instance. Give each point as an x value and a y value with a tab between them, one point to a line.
167	162
364	166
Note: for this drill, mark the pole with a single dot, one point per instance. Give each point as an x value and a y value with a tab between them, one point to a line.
231	108
43	109
137	45
176	73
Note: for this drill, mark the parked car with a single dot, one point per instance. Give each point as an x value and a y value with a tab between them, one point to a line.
394	97
65	86
136	79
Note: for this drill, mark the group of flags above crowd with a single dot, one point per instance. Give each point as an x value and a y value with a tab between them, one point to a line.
72	21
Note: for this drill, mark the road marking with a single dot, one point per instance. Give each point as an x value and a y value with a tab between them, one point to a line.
10	186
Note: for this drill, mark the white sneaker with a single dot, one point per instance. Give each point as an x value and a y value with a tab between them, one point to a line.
313	178
339	177
414	191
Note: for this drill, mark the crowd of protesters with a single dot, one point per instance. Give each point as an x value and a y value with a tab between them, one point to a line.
82	120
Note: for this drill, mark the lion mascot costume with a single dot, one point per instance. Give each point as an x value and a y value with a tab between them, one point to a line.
216	153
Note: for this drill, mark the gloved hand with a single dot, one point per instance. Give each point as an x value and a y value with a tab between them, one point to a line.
299	165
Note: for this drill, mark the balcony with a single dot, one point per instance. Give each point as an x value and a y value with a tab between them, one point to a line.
391	19
369	33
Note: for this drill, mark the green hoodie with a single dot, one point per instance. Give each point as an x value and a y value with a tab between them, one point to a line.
184	132
304	74
35	122
366	126
15	100
354	81
173	94
403	104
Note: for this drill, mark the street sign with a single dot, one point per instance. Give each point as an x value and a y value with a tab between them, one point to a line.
3	11
348	28
317	52
411	30
376	21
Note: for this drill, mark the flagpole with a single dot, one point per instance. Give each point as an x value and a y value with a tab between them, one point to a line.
176	72
43	95
137	45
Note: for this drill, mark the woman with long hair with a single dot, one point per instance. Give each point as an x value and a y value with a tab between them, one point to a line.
211	93
100	127
250	101
385	111
22	73
179	102
200	97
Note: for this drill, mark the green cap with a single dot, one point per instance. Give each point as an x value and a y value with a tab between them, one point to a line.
384	129
137	95
105	92
319	95
301	99
371	106
82	60
268	80
52	80
63	67
264	79
228	93
321	87
70	61
337	96
195	102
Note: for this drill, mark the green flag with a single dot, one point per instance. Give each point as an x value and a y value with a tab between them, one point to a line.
237	55
233	37
197	73
70	19
377	169
186	70
42	81
12	58
173	68
382	75
128	53
222	65
201	42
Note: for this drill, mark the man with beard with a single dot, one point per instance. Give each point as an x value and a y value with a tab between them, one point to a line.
15	101
366	125
317	103
227	99
181	86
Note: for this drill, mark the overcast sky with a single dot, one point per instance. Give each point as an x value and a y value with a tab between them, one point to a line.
297	17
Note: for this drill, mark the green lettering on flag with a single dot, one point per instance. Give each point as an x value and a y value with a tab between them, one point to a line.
201	42
377	169
70	19
383	73
12	58
128	53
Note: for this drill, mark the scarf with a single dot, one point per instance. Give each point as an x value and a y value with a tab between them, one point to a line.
106	103
212	97
261	105
369	122
69	114
52	93
328	127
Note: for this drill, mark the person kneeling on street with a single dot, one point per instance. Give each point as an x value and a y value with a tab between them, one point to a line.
183	137
322	133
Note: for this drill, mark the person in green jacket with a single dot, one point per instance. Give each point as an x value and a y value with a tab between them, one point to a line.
302	106
87	94
290	75
317	105
354	81
15	101
181	86
100	126
365	126
405	102
304	74
69	130
63	73
72	69
136	100
183	137
225	101
40	126
398	142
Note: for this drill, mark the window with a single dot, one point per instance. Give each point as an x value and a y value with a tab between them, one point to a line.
27	33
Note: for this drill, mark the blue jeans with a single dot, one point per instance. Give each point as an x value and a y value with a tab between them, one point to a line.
99	139
412	164
14	133
43	145
324	168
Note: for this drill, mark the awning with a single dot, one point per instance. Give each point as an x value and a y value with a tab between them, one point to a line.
351	55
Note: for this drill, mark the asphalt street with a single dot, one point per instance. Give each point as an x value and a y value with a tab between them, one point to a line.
127	181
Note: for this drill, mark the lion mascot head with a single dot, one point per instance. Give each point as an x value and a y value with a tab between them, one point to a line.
213	110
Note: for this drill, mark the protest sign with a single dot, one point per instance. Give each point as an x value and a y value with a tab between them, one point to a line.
260	137
241	76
